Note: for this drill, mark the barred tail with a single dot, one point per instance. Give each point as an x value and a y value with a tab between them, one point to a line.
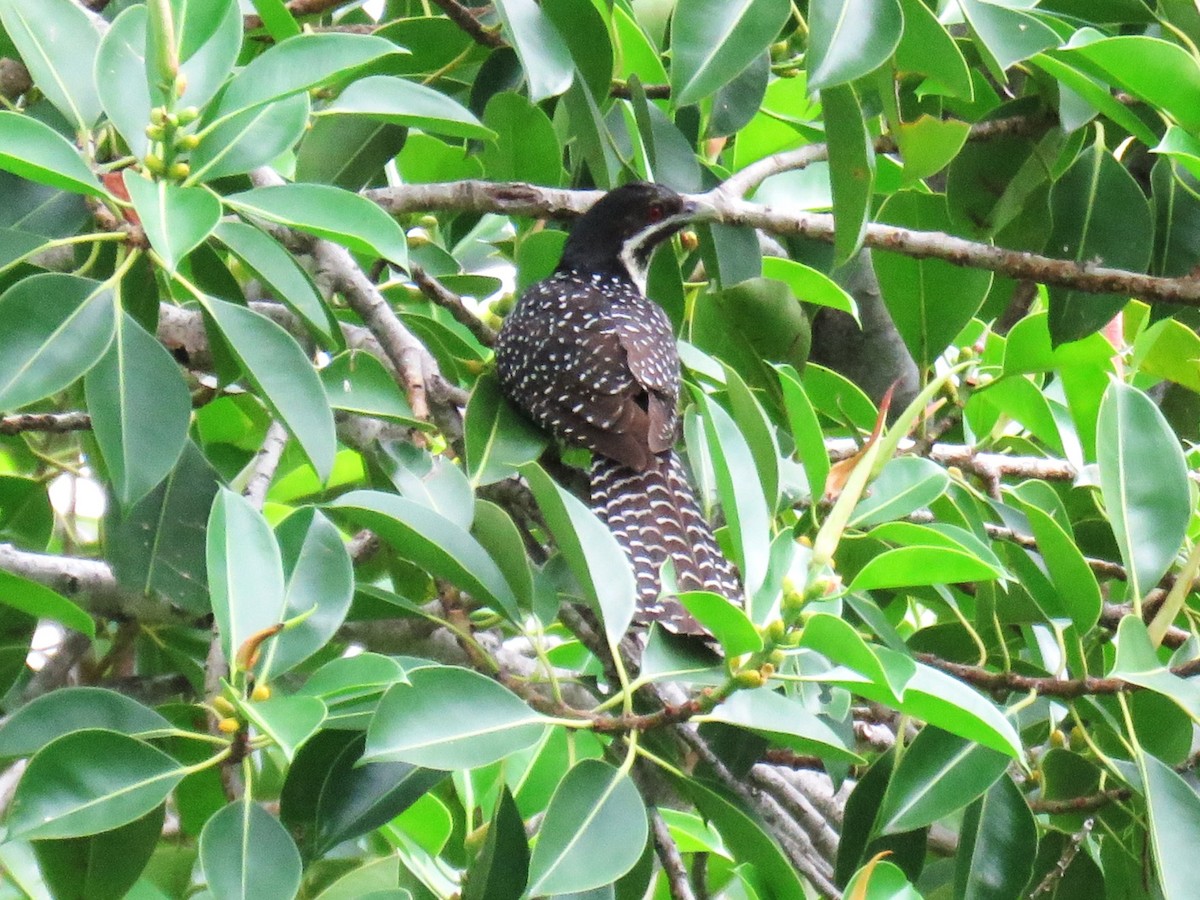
655	517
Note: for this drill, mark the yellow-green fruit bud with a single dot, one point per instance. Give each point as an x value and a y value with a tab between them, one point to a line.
155	132
188	142
779	50
173	120
1078	736
1058	738
229	725
417	238
158	115
776	631
1035	777
188	115
766	671
688	240
223	706
428	221
261	692
154	163
180	170
748	678
777	658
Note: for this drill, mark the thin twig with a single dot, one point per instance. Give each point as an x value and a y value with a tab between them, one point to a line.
465	19
53	423
450	301
678	884
297	8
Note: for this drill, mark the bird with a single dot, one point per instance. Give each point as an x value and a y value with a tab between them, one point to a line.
592	360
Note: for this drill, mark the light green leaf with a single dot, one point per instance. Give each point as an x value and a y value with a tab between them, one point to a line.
328	212
245	573
289	721
543	52
849	38
527	148
53	328
39	601
277	367
357	382
58	45
906	484
836	640
87	782
498	439
713	40
36	151
1068	570
1174	811
851	168
912	566
927	48
1137	663
140	408
938	774
727	623
437	544
121	78
786	722
408	103
175	218
50	716
593	833
450	718
1148	505
808	284
806	431
1006	36
247	855
249	139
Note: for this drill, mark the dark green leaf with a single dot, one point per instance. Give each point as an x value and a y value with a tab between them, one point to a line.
249	139
60	712
543	52
26	518
403	102
247	855
713	40
526	148
1174	811
498	439
851	168
38	600
501	870
849	38
101	866
997	845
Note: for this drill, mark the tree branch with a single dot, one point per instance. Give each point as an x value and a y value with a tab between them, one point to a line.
297	8
465	19
53	423
450	301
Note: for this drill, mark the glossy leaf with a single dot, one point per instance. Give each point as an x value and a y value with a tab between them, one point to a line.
851	169
727	623
58	45
357	382
907	566
274	363
927	48
1005	35
140	410
713	40
849	38
543	52
278	269
53	328
937	775
247	855
40	601
498	439
68	709
432	541
450	718
245	573
36	151
288	721
403	102
1147	505
906	484
592	553
1137	663
593	833
501	870
783	721
526	148
327	212
998	845
249	139
1174	811
121	78
84	868
808	284
1068	570
87	782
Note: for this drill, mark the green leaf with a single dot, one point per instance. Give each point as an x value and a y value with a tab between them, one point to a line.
881	880
84	868
930	300
357	382
277	19
278	269
403	102
140	408
1174	812
288	721
741	499
249	139
299	64
1101	218
806	431
247	855
282	375
329	798
498	439
784	721
245	573
1148	505
727	623
53	328
1006	36
1096	96
432	541
40	601
809	284
319	584
938	774
121	78
450	718
997	845
327	212
526	148
499	535
836	639
592	553
209	41
58	45
675	657
350	687
925	47
543	52
1137	663
154	547
593	833
768	315
36	151
906	484
1069	572
87	782
713	40
26	517
69	709
849	38
911	566
851	168
501	870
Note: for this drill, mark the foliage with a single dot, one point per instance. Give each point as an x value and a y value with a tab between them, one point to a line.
337	632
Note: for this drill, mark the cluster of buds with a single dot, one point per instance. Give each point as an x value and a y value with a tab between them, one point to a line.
166	130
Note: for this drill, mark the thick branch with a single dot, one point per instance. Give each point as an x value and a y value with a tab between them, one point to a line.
54	423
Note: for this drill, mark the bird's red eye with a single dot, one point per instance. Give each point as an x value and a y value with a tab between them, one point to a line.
655	213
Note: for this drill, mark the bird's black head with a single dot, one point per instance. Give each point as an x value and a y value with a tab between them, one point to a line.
618	234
